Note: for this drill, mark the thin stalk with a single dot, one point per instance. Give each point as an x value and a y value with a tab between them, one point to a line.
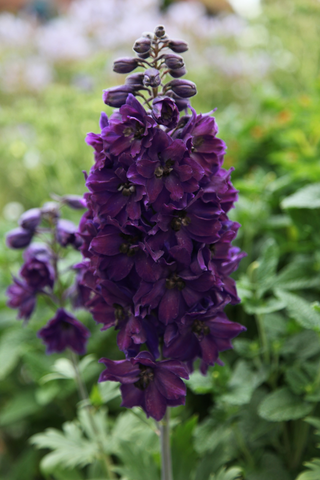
166	466
84	396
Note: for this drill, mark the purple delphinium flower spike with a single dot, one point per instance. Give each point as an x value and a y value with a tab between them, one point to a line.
156	235
64	331
146	383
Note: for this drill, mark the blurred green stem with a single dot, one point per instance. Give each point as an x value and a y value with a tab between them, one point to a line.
85	397
263	339
166	467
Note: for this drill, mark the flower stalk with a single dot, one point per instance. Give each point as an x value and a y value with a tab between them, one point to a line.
166	464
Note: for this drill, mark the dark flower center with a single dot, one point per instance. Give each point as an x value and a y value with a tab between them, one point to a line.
175	282
197	142
164	171
166	112
127	131
139	131
200	328
127	246
212	248
65	326
182	220
126	189
146	376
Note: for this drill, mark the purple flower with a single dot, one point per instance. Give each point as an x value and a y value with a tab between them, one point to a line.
64	331
30	219
201	334
131	131
19	238
66	234
37	271
165	112
22	297
148	384
117	96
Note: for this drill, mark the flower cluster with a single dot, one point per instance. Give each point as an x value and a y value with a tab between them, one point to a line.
156	235
39	275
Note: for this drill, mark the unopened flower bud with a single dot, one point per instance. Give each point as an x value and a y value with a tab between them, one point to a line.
178	46
30	219
144	55
116	96
19	238
142	45
182	88
178	72
74	201
66	234
165	111
159	31
152	78
51	211
125	64
135	80
182	103
173	61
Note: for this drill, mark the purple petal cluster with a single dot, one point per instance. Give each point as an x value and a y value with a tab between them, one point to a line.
64	331
157	239
36	275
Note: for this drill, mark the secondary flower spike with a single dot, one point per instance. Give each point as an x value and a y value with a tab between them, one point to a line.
156	236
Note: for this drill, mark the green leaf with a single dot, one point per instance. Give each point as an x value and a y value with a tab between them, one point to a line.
209	435
198	383
270	467
303	345
300	310
130	427
183	454
306	197
297	379
233	473
109	391
297	275
283	405
21	406
314	473
267	266
260	307
137	464
12	345
69	448
242	384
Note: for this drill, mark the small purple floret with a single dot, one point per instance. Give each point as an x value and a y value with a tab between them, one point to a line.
64	331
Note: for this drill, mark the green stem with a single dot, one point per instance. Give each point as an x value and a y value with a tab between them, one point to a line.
166	466
85	397
263	339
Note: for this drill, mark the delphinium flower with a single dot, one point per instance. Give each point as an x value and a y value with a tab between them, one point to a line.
156	235
40	273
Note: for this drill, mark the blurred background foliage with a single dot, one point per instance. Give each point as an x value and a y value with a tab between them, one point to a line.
257	417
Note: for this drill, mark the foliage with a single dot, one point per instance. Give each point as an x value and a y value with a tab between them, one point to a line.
256	417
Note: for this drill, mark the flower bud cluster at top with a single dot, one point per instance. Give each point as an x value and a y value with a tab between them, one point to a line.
152	55
39	274
156	235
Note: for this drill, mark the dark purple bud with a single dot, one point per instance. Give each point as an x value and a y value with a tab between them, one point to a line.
22	297
117	96
66	234
135	80
182	88
30	219
51	211
178	46
142	45
152	78
64	331
165	111
74	201
182	103
19	238
160	31
38	273
173	61
179	72
144	55
125	64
